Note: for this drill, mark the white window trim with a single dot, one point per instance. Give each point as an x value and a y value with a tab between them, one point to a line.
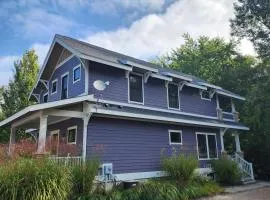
206	99
63	75
54	81
175	143
129	101
47	93
168	104
72	128
207	146
76	67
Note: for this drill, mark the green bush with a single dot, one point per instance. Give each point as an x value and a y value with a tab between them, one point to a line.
34	180
179	167
227	171
83	177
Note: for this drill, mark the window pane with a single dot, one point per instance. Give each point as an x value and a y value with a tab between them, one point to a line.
135	88
45	98
205	95
202	147
64	87
77	74
175	137
225	103
71	135
54	87
212	146
173	96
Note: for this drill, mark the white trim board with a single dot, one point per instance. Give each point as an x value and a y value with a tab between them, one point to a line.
163	119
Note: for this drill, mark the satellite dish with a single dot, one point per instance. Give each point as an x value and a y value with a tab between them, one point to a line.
100	85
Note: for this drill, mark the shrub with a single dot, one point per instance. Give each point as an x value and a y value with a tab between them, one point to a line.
34	179
180	167
227	171
83	177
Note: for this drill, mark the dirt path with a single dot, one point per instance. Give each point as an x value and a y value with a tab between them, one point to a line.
256	194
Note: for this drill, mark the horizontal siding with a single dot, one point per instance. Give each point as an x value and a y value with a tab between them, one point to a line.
136	146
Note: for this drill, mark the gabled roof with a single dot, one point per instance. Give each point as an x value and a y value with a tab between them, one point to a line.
98	54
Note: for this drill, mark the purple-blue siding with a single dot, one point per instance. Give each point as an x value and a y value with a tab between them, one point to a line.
63	127
74	89
155	92
134	146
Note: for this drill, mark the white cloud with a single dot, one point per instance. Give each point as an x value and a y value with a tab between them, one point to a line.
6	66
41	51
156	34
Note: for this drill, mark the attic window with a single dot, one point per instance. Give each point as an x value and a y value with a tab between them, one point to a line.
45	98
205	95
54	87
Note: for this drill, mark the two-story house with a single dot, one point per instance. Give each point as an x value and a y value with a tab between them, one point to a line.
144	110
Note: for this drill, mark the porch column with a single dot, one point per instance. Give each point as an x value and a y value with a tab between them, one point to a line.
87	115
12	140
237	143
42	133
222	132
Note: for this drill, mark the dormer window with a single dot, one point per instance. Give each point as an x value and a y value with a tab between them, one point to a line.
45	98
77	74
54	87
205	95
135	88
173	96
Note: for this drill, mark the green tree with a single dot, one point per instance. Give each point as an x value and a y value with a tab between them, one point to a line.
15	95
252	20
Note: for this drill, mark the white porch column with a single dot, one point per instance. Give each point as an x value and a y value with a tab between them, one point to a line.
87	115
42	133
222	132
12	140
237	142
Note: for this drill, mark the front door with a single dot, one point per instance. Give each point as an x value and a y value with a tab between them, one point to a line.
64	87
54	142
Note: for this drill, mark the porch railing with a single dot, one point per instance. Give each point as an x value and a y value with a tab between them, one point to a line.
245	166
68	160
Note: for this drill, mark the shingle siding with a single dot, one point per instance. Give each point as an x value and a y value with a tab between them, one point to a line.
134	146
74	89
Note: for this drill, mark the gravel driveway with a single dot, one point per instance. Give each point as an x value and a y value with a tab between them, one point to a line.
256	194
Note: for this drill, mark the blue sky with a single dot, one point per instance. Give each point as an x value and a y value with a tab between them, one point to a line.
140	28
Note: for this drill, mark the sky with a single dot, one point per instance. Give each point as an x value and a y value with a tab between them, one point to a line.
144	29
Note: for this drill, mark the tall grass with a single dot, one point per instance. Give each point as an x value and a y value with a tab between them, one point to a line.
34	180
180	167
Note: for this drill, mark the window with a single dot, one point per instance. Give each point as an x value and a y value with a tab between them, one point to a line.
207	146
72	134
173	96
225	104
54	87
77	74
205	95
64	93
136	88
175	137
45	98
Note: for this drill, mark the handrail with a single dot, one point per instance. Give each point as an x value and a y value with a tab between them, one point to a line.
68	160
245	166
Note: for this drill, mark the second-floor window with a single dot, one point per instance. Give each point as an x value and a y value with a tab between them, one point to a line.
77	74
136	88
173	96
64	86
45	98
54	86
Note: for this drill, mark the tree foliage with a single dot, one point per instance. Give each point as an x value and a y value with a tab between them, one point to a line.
252	20
220	63
15	95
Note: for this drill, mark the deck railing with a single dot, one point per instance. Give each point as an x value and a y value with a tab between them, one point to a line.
68	160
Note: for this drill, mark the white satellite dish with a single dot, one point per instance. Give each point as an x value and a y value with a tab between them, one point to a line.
100	85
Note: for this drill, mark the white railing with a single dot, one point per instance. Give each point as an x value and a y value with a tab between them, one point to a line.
245	166
68	160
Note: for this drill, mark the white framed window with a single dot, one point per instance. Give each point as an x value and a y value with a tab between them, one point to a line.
45	97
72	135
54	86
205	95
77	73
207	146
135	88
173	98
64	85
175	137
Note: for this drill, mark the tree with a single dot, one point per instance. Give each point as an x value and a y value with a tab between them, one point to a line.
15	95
252	20
219	62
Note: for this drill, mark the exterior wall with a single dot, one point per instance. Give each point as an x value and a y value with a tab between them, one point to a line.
63	127
74	89
155	92
134	146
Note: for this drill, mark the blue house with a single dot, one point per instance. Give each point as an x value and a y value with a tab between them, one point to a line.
144	110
